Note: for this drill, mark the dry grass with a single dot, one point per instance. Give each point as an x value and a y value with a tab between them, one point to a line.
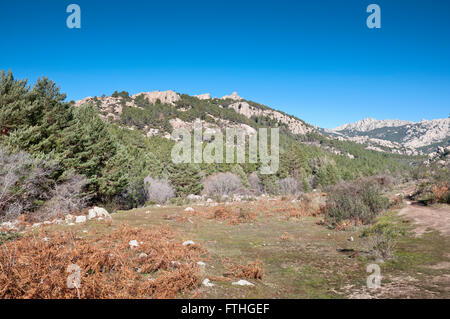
234	215
440	192
248	212
285	237
253	270
36	266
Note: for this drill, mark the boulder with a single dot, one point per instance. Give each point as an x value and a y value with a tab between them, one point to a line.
194	197
97	212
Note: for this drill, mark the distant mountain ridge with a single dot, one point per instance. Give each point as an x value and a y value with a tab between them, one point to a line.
413	137
369	124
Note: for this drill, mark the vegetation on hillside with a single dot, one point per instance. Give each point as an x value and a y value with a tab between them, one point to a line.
111	161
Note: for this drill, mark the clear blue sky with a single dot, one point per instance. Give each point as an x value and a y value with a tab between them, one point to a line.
314	59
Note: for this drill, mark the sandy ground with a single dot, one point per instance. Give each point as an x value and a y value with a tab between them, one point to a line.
424	217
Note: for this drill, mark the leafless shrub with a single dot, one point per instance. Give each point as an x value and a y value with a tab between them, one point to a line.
288	186
24	181
222	184
67	197
255	183
158	190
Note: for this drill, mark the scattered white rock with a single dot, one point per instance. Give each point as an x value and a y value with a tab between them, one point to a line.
351	238
209	200
69	218
201	264
8	226
167	97
194	197
188	243
80	219
133	243
143	255
189	209
45	239
205	96
242	282
36	225
233	96
207	283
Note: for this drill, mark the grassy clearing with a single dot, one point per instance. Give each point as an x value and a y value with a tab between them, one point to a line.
299	257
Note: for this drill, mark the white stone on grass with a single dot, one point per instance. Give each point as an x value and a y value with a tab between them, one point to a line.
207	283
133	243
242	283
98	212
188	243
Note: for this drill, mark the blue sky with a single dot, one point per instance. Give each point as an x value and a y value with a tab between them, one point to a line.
314	59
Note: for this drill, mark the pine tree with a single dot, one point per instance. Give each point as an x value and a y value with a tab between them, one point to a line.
237	170
185	178
14	98
87	147
36	119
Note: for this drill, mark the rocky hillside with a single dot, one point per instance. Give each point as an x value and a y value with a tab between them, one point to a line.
396	135
168	110
441	157
157	113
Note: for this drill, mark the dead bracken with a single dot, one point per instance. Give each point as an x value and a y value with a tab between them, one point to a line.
160	267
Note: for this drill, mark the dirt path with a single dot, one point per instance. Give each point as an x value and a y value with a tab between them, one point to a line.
437	218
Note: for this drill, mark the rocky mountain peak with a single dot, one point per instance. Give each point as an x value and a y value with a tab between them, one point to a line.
234	96
369	124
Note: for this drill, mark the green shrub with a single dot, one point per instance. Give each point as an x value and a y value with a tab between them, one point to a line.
4	237
359	201
382	239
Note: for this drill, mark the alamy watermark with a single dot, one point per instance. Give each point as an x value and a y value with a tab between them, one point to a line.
74	277
374	20
374	280
233	144
74	19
